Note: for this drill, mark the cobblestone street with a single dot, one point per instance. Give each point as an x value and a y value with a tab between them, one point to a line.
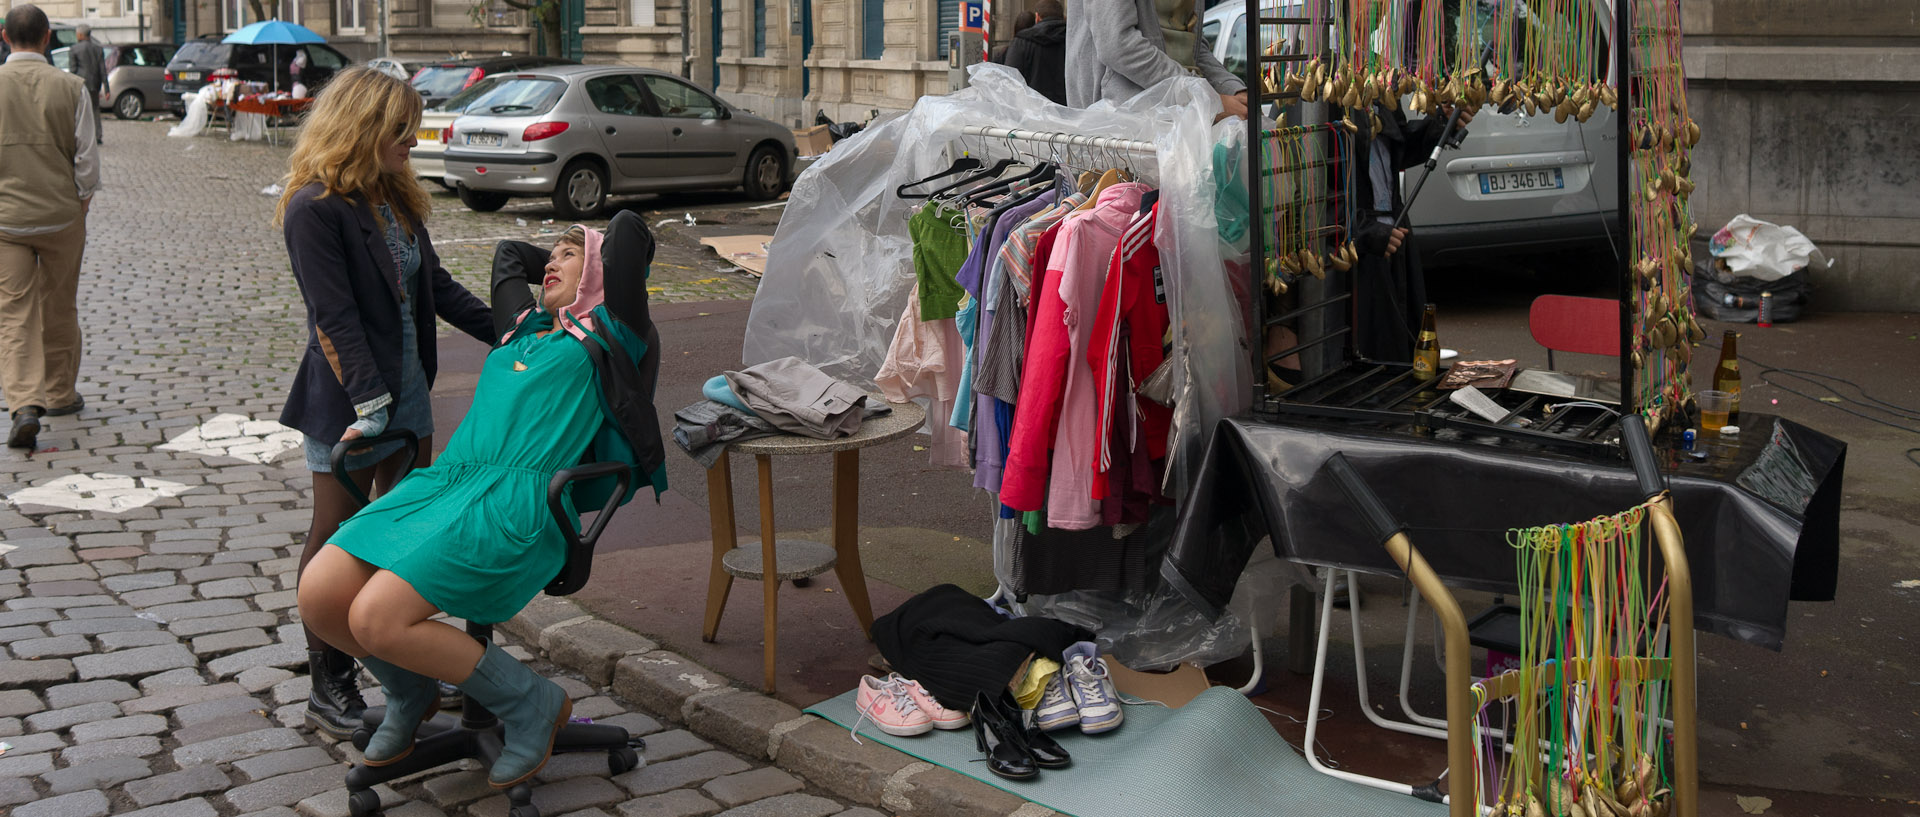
152	662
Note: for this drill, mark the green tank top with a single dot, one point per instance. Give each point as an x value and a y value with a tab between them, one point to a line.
1177	23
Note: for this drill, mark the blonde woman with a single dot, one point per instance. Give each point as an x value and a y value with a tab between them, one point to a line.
355	222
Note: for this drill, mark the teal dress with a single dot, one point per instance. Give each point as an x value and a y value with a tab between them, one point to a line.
472	533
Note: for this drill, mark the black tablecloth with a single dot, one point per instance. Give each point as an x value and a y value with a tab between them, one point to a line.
1761	517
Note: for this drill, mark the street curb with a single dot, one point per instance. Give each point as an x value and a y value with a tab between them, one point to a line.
709	704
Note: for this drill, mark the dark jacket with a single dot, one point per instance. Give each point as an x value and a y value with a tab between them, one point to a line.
955	645
1040	54
87	61
624	347
352	291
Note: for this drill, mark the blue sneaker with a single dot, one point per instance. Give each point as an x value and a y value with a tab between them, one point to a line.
1091	689
1056	710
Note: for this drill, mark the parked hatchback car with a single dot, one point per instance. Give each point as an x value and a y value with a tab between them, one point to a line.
578	133
440	81
271	65
436	123
64	35
1518	183
134	76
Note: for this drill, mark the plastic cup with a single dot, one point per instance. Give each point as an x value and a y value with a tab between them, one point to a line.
1714	408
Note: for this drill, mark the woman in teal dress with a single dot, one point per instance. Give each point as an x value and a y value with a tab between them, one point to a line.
571	379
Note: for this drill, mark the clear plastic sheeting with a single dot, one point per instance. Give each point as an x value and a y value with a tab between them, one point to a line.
199	110
840	264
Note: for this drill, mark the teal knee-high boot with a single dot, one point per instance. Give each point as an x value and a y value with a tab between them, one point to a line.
531	707
412	698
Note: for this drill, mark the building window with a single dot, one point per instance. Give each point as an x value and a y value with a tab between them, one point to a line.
643	13
949	13
759	28
352	17
290	11
873	29
233	14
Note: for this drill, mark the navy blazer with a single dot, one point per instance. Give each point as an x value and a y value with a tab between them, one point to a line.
352	291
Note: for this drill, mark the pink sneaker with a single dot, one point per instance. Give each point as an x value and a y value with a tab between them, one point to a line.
890	707
943	718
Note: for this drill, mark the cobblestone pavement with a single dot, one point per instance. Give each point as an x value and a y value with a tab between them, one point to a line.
148	556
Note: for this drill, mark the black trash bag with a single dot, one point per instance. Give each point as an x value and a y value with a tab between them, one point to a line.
1723	296
836	130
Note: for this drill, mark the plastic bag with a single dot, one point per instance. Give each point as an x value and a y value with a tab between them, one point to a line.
1759	249
840	264
195	119
248	127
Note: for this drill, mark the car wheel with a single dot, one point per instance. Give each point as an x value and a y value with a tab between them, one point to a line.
482	201
129	105
766	174
582	190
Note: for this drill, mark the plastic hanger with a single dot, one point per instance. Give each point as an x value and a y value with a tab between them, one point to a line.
959	165
998	168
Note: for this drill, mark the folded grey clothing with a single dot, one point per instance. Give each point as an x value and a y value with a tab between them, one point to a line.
796	397
704	429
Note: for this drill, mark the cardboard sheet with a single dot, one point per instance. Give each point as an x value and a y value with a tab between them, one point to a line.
749	252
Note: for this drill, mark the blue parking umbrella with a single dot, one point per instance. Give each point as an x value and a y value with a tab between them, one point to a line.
274	33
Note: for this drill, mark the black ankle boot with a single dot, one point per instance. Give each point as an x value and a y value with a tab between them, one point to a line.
334	707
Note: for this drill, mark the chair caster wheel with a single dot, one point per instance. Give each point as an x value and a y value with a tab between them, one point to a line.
523	811
622	760
363	803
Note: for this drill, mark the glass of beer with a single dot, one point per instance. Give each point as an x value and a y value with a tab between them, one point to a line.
1714	407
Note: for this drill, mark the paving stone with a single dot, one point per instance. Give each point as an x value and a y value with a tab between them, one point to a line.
746	787
9	635
660	682
182	677
276	811
448	791
635	723
39	556
88	692
96	626
236	588
10	727
274	655
141	581
16	790
37	742
675	744
135	662
258	678
173	786
557	798
274	764
104	611
54	720
137	746
787	805
77	804
286	789
195	714
101	774
158	596
114	642
189	627
25	765
59	573
76	587
867	812
676	803
821	753
16	674
126	727
334	803
223	643
16	702
654	778
277	600
592	646
235	747
16	618
197	807
59	646
222	727
60	602
297	688
217	571
740	721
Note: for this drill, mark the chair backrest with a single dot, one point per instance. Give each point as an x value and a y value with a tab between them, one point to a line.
1569	323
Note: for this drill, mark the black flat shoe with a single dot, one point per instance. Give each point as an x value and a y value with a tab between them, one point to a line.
71	408
26	428
998	740
1047	753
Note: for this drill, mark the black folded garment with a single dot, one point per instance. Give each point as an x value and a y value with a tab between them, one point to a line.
956	645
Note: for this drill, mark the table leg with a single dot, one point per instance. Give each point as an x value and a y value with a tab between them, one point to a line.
769	565
846	536
720	518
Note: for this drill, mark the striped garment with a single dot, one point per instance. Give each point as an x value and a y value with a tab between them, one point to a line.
1017	253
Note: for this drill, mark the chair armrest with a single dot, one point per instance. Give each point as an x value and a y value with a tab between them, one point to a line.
339	457
573	575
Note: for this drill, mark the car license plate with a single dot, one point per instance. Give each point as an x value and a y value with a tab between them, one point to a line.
484	139
1521	181
429	134
189	76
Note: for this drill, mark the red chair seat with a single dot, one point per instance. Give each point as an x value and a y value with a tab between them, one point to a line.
1568	323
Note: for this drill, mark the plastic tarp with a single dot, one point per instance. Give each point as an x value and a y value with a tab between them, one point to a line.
1752	248
840	265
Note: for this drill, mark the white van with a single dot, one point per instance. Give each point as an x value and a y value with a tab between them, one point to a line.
1517	184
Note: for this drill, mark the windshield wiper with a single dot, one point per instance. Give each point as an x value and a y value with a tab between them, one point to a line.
499	108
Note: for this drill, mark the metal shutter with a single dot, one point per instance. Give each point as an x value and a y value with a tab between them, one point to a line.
949	23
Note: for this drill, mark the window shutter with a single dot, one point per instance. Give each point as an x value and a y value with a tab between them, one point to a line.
759	28
949	23
873	29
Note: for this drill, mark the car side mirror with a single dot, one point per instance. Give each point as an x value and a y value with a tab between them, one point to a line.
725	113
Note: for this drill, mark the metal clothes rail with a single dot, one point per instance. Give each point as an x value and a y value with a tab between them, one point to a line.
1070	140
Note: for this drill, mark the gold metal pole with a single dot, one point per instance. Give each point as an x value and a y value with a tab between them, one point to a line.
1459	673
1686	749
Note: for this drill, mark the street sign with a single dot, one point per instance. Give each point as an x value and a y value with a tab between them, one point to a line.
973	16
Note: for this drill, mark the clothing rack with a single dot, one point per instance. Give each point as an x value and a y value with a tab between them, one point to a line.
1069	140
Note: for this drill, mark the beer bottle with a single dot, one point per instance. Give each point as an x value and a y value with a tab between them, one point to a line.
1426	351
1726	376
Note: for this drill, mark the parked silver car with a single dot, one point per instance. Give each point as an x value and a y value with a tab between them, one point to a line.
1518	183
579	133
134	76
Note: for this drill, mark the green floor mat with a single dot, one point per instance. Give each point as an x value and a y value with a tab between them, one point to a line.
1214	756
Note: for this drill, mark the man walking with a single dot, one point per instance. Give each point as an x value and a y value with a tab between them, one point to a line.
1039	51
48	172
89	63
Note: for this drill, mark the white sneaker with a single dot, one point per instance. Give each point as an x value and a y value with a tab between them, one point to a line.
1056	710
1092	690
890	707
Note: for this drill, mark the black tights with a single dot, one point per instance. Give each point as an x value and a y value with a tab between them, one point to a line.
332	505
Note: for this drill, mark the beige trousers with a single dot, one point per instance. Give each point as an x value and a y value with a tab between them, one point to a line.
40	318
